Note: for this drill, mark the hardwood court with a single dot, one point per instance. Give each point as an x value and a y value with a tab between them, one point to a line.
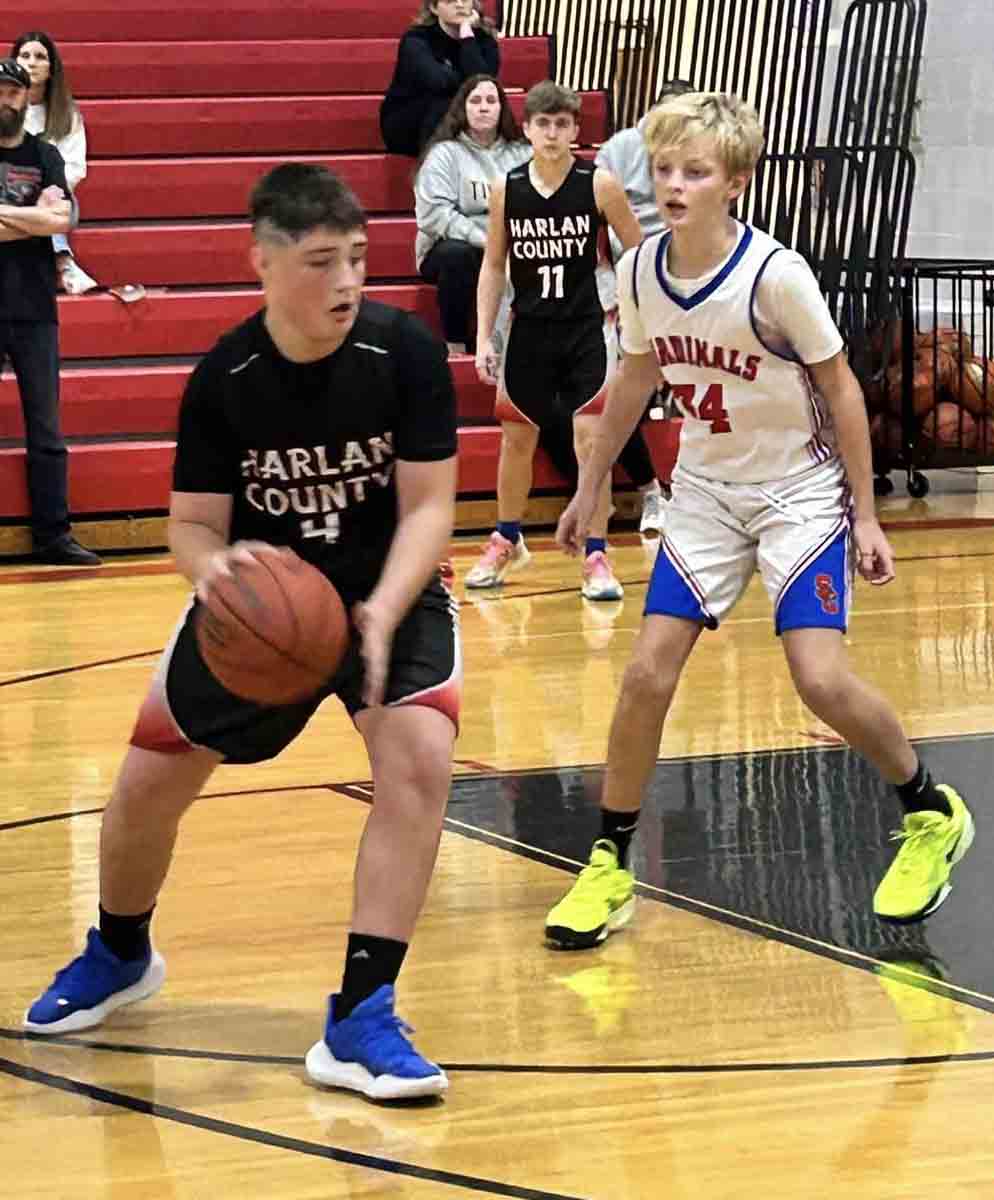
742	1037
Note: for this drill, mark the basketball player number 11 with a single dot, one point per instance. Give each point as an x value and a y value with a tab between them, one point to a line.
548	275
711	407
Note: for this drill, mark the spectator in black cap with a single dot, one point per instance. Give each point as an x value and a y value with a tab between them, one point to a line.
35	204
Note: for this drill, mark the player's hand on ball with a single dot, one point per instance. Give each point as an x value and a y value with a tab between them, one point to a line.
219	564
574	524
874	557
487	362
377	635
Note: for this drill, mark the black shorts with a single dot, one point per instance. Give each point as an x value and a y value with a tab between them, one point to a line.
553	370
187	709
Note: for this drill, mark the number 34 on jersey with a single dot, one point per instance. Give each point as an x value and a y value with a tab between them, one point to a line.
703	403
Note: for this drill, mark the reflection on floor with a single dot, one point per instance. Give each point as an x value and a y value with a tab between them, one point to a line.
796	840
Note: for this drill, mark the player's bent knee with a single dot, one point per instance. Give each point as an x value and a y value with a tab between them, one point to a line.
822	687
648	683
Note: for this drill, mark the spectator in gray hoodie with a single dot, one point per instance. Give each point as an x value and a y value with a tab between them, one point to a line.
626	157
476	144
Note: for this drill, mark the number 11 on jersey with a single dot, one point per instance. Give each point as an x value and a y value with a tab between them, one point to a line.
711	407
550	275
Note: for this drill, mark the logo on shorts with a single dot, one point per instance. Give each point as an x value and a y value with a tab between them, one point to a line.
826	593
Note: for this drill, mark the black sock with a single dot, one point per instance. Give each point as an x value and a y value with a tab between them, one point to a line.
619	828
126	937
920	794
370	962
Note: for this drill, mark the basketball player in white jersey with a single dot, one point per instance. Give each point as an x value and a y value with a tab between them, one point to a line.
546	220
773	472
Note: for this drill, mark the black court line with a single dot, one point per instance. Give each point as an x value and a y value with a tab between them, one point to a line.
87	666
278	1141
738	1068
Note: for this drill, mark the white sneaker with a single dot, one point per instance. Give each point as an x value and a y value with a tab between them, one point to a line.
599	582
500	558
653	513
74	279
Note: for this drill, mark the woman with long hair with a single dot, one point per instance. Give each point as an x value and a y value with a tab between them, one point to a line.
449	41
54	116
476	144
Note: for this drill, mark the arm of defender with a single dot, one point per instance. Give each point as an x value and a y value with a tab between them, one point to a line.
613	203
840	388
426	497
493	280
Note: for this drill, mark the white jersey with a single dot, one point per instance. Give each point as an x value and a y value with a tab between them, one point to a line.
751	413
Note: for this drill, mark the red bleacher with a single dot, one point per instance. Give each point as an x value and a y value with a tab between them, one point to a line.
178	133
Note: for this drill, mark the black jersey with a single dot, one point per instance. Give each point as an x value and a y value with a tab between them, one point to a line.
307	450
552	245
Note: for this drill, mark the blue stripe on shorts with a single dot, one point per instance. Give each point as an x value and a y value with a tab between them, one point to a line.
819	597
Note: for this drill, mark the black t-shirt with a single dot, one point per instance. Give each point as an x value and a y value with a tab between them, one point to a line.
552	245
27	266
308	450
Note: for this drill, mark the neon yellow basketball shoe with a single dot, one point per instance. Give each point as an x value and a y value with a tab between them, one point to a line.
601	901
917	881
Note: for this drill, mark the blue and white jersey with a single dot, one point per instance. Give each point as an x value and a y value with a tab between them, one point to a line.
733	347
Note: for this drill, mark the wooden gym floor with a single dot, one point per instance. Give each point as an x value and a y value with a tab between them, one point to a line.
754	1032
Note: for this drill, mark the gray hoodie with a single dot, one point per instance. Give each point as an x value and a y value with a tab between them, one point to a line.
452	189
626	157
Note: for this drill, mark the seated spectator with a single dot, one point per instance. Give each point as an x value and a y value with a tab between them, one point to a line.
626	157
54	117
477	143
449	41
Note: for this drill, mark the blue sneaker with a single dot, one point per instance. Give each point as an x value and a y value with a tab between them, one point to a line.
92	986
368	1052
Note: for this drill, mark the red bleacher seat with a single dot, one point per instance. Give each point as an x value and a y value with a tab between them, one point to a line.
128	476
207	20
136	189
205	254
134	69
186	322
261	124
135	400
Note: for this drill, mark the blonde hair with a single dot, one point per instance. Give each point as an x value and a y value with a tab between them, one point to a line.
733	124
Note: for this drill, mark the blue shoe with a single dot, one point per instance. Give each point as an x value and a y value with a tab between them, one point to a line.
92	986
368	1052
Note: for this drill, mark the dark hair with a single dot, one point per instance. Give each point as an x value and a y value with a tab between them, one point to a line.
549	97
61	112
291	200
674	87
424	16
455	121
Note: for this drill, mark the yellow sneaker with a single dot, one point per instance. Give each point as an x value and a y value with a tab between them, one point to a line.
917	881
601	901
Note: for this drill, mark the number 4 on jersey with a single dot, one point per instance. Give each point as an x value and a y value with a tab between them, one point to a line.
711	407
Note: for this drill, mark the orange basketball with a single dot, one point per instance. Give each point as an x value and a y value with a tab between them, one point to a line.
885	433
950	426
953	341
976	390
275	631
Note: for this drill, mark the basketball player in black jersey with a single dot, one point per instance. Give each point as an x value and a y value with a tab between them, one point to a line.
546	221
325	423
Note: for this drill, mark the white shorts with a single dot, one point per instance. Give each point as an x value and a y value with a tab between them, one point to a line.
796	531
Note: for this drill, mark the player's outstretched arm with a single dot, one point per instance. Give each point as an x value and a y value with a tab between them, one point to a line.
840	388
493	280
613	203
636	378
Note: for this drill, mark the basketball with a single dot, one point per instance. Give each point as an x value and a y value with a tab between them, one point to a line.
976	390
950	426
275	631
885	433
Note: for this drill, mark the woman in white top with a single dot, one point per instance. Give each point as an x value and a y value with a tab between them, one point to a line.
54	116
476	144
